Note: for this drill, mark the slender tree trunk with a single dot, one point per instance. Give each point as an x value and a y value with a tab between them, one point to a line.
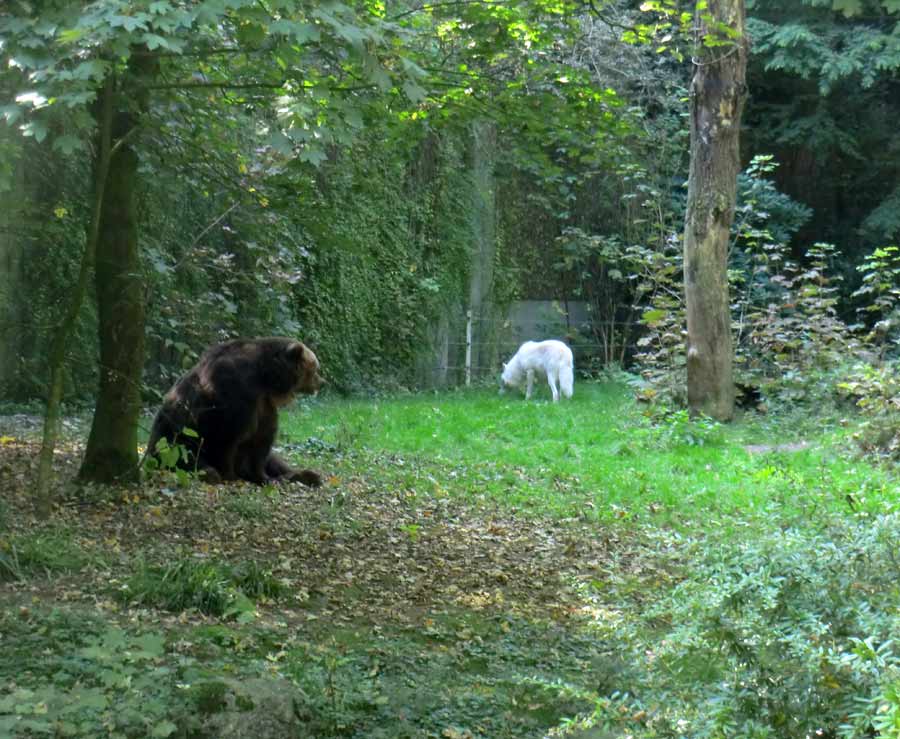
63	334
484	238
13	296
717	95
111	454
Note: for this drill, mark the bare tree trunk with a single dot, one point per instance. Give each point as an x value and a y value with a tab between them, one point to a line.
484	236
111	454
717	96
62	335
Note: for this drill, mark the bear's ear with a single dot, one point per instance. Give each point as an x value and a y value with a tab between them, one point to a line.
301	354
295	351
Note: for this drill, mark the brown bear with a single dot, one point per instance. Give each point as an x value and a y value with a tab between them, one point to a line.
230	400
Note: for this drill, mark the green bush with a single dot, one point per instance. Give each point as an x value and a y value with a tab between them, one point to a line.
790	635
875	390
71	675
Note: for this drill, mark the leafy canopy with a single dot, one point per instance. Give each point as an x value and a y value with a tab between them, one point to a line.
316	58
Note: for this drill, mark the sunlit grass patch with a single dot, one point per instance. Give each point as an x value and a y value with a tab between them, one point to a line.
597	455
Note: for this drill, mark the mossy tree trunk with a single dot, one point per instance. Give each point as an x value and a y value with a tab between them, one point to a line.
717	96
13	295
111	454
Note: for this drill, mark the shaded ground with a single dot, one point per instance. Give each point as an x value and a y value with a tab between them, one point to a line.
402	614
349	551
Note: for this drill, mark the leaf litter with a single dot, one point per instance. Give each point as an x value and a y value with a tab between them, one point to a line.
358	549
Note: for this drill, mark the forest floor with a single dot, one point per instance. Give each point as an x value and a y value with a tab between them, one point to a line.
429	589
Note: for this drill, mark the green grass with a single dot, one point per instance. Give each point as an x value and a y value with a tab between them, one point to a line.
208	586
702	613
40	554
595	456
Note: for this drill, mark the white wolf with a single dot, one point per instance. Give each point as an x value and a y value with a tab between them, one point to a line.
552	359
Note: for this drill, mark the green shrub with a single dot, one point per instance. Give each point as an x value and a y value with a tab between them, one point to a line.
70	675
875	391
789	635
255	581
676	428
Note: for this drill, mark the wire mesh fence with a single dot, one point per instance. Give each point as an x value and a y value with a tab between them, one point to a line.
470	349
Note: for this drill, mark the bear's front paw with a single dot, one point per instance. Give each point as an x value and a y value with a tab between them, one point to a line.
307	477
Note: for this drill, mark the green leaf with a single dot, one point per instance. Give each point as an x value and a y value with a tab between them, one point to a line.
153	41
354	118
93	69
653	315
151	645
312	155
164	729
91	698
415	93
35	129
11	113
71	35
848	7
281	143
251	34
302	33
67	143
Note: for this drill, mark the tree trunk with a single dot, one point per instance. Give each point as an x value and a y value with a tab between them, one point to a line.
484	236
63	333
717	95
111	454
13	295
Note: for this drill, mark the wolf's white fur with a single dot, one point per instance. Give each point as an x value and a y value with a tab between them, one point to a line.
552	359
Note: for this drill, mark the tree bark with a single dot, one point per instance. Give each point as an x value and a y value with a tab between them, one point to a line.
13	295
717	97
62	335
483	221
111	455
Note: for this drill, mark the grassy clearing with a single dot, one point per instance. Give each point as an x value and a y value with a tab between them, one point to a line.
477	567
597	456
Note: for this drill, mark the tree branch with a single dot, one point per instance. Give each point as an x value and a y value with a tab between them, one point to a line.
430	6
218	85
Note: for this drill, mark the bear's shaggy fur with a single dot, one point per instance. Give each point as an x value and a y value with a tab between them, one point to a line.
231	400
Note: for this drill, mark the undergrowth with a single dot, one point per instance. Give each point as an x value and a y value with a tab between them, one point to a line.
208	586
712	581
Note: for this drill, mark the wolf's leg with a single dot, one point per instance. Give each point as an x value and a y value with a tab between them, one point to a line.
530	377
551	381
566	380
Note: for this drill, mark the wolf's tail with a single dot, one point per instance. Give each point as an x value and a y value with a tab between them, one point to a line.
566	380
